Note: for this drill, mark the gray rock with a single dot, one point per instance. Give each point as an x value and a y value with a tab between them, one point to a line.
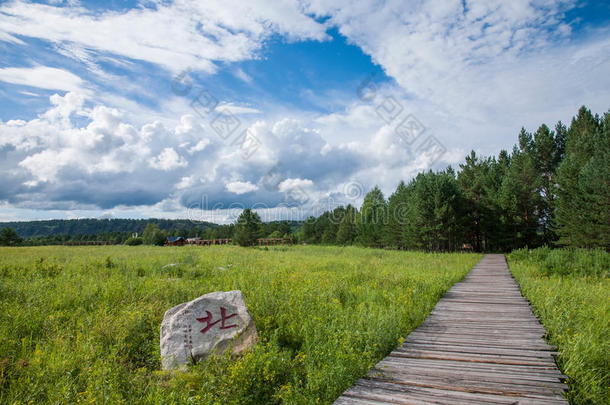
209	324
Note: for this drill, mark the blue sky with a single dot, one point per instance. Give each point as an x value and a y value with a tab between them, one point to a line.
91	123
293	74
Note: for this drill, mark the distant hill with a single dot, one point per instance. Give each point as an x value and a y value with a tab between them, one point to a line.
90	226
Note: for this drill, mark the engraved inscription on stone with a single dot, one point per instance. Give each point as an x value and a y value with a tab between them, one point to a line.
209	324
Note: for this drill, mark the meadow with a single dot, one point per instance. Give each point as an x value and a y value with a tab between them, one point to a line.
570	292
81	324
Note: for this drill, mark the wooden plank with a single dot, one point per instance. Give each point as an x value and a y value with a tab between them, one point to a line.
471	358
476	338
465	322
484	367
465	384
480	350
480	331
481	341
405	394
498	373
458	377
499	344
480	344
474	326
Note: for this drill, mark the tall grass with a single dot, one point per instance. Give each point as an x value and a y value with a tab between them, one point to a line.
81	324
570	292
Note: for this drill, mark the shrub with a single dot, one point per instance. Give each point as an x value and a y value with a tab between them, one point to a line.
8	237
564	262
133	241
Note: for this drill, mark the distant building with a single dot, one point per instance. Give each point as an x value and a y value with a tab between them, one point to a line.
174	241
193	241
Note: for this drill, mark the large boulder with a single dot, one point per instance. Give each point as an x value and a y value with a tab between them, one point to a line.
209	324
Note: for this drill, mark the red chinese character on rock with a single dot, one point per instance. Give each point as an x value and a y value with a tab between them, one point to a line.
223	318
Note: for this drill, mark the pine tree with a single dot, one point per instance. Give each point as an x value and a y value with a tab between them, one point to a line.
447	210
571	213
478	218
334	220
371	219
521	198
526	143
247	228
432	218
396	215
414	218
309	232
595	189
546	152
584	179
499	231
561	135
347	227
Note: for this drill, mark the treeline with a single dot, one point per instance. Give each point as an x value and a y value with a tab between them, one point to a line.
553	188
60	231
80	228
245	231
151	232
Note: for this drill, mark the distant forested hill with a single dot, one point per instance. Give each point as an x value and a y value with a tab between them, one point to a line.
32	229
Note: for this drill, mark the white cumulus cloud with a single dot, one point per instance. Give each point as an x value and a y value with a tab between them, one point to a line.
167	160
240	187
291	184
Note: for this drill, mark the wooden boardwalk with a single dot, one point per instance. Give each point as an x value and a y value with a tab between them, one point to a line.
480	345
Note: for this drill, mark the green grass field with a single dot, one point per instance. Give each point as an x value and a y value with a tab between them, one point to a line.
81	324
570	292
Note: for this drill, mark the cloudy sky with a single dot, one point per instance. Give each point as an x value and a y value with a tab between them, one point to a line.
196	108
